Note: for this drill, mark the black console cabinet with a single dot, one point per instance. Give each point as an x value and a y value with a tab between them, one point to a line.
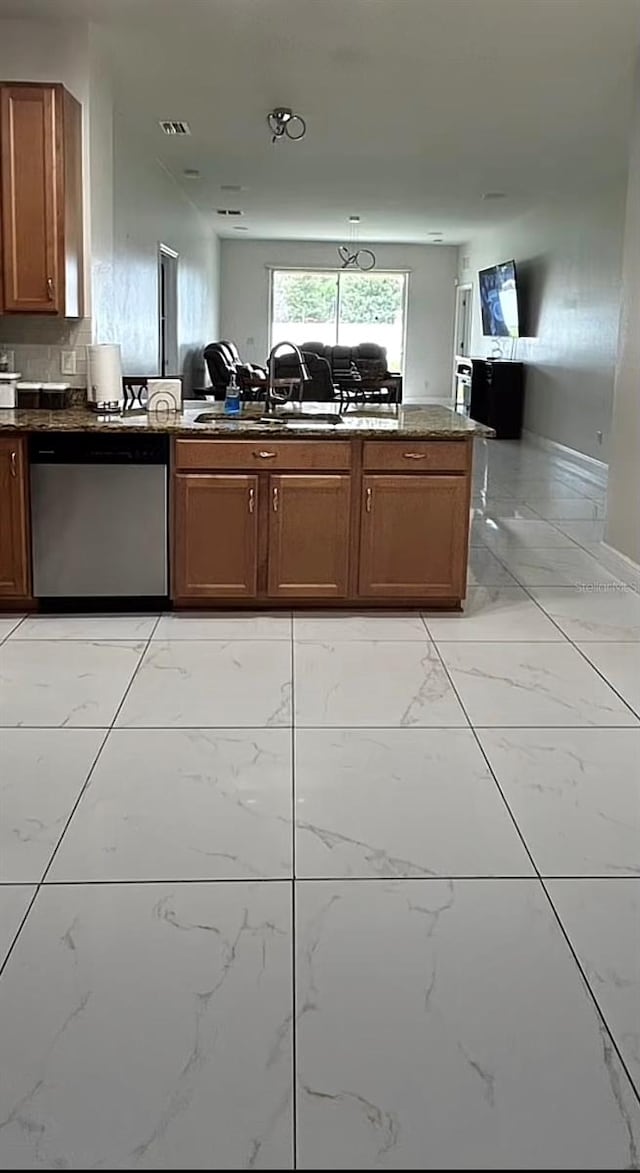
497	396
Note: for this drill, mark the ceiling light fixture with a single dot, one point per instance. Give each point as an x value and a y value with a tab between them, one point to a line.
283	123
351	256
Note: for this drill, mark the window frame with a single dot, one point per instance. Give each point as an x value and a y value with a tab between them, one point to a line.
336	271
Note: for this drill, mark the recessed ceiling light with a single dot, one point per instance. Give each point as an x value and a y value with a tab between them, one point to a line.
494	195
191	173
174	126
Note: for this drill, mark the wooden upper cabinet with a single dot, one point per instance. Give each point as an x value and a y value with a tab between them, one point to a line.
414	536
41	200
14	519
309	536
215	536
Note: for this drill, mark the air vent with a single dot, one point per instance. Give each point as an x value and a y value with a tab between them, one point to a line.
173	126
229	212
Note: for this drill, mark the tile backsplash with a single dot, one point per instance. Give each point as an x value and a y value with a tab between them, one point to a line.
37	343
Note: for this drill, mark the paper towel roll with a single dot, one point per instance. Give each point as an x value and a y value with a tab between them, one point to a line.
104	373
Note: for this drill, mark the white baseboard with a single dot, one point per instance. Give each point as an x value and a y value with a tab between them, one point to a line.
620	564
570	453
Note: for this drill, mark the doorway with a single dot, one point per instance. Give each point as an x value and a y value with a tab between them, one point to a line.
462	322
167	310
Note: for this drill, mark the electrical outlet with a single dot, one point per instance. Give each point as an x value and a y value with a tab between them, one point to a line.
67	362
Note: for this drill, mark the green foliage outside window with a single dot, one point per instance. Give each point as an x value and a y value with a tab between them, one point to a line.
312	297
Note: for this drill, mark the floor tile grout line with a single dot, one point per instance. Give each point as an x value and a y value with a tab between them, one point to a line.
4	961
43	878
13	629
294	991
39	883
95	761
486	759
135	673
443	877
587	985
635	1088
576	648
299	728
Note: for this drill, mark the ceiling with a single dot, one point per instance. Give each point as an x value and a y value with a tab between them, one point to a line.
414	108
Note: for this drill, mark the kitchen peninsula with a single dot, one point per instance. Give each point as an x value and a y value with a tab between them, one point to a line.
296	509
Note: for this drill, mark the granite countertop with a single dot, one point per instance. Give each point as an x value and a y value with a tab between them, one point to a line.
426	421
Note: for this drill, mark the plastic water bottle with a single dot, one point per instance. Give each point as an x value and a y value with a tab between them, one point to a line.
232	401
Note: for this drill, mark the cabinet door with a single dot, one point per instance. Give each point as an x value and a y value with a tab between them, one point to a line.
309	536
216	536
14	519
30	185
414	536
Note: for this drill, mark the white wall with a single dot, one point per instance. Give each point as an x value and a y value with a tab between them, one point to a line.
428	361
150	208
100	190
623	502
569	262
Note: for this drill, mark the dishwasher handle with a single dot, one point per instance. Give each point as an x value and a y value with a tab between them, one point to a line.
98	448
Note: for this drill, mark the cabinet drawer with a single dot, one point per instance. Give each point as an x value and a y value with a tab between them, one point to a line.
417	455
267	454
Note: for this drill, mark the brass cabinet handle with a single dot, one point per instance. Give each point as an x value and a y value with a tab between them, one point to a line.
252	500
50	288
275	500
265	455
416	455
368	502
14	464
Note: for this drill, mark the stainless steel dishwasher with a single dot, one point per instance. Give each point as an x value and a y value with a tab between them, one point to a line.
99	516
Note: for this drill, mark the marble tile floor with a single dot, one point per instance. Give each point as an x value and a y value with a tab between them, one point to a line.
344	891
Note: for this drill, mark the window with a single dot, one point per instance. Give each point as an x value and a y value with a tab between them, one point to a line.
340	308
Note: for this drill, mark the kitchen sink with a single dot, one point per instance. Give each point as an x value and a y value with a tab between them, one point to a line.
248	422
290	419
311	417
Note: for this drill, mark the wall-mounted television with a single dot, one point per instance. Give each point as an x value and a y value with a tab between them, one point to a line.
499	301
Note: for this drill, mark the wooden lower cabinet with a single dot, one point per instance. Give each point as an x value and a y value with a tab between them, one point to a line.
215	536
309	528
414	536
14	519
316	526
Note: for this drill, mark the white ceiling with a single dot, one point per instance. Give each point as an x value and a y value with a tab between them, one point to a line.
414	108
